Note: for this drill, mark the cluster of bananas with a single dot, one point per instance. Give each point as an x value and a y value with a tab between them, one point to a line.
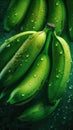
36	61
33	14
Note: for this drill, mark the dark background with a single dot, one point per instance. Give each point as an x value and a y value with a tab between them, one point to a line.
60	119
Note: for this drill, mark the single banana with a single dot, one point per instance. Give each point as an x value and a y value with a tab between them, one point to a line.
35	78
57	14
61	65
69	4
11	45
37	111
23	58
36	16
15	13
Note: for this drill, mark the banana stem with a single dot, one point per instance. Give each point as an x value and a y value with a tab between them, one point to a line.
50	29
48	40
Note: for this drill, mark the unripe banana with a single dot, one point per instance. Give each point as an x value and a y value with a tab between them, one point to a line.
69	4
23	58
57	14
34	80
11	45
36	16
15	13
37	111
61	65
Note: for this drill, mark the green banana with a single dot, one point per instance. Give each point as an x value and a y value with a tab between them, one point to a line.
69	4
37	111
36	16
35	78
61	65
11	45
57	14
15	13
23	58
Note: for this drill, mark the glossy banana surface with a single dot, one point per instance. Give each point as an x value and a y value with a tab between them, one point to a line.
57	14
37	112
11	45
35	78
36	16
61	66
15	13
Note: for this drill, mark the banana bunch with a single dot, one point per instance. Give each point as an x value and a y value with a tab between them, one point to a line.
39	61
56	82
35	64
32	15
20	62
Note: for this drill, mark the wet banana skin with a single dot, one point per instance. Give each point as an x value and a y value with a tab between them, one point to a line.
36	16
61	66
23	58
37	112
15	13
56	14
34	80
11	45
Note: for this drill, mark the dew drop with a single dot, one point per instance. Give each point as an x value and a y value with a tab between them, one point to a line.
35	22
27	55
57	4
20	64
71	61
56	20
23	95
51	126
71	87
37	64
50	84
57	76
8	45
68	81
33	27
32	20
9	71
70	73
61	52
18	40
42	59
22	28
26	60
66	107
32	14
56	44
15	14
59	71
64	117
70	29
69	100
34	76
